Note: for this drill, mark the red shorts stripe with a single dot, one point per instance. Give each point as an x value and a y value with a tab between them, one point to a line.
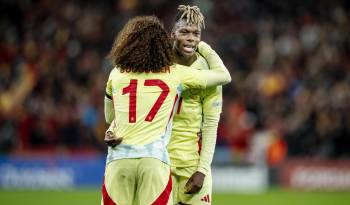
164	196
106	199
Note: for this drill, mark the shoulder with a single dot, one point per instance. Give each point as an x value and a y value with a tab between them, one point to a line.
115	72
201	63
178	67
112	72
178	70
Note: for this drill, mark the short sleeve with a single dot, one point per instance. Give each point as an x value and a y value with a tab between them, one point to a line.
109	86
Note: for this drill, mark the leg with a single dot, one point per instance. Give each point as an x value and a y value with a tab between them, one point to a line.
175	182
119	186
154	183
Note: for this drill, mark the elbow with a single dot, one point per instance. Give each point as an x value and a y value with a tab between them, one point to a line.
108	119
108	111
228	78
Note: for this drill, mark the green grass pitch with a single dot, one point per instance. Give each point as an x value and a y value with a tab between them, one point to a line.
92	197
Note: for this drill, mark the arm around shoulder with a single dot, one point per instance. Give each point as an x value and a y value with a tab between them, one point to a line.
218	74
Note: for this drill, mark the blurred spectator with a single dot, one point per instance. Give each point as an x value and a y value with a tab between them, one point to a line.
290	63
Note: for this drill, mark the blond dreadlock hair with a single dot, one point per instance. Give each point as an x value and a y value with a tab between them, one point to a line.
192	15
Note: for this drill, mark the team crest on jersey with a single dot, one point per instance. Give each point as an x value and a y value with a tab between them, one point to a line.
216	104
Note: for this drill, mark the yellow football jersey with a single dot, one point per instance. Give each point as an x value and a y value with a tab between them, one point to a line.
183	146
144	104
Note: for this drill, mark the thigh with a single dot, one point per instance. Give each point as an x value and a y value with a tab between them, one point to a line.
120	182
203	197
154	183
175	182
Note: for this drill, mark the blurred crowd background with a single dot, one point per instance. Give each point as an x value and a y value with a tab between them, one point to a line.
290	63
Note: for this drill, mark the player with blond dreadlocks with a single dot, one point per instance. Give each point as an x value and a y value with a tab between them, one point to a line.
193	139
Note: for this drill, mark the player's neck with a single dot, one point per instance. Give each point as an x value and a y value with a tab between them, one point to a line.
185	60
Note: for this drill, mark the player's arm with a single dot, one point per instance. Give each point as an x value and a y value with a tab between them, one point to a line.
109	110
217	75
108	102
212	106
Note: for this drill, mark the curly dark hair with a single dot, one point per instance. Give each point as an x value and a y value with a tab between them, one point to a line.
143	45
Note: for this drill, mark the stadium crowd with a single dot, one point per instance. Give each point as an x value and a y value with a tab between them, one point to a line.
290	66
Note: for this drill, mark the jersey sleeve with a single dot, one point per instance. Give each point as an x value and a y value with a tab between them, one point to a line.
108	102
218	73
192	78
109	86
111	127
108	110
212	101
212	107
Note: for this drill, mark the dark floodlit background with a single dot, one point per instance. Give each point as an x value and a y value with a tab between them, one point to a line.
286	115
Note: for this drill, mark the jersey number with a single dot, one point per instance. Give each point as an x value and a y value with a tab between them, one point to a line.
132	90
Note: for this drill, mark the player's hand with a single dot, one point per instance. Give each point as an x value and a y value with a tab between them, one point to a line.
194	183
111	140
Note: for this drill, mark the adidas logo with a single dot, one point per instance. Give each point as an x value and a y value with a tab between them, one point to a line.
206	198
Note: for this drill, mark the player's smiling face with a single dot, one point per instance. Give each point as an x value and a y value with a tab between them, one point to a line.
186	38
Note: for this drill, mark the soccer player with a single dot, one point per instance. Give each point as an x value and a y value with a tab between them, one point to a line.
193	139
141	95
